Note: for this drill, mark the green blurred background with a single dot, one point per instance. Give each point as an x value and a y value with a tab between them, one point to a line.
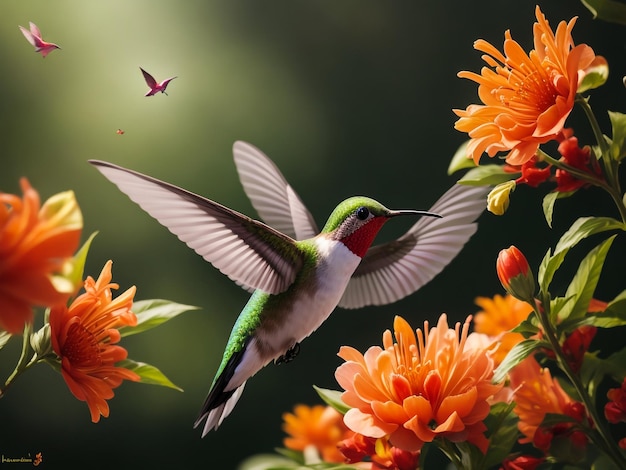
347	97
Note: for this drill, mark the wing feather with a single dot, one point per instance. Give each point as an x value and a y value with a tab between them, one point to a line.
393	270
247	251
272	197
29	36
150	80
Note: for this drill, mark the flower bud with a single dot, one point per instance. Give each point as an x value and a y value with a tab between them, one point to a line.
498	198
40	341
515	275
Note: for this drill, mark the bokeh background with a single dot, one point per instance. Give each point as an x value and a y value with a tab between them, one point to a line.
350	97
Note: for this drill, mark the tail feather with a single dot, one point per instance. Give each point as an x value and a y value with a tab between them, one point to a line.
216	414
224	394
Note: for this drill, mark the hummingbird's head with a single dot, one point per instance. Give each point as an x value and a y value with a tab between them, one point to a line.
356	222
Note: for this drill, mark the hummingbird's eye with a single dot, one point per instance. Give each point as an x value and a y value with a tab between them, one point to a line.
362	213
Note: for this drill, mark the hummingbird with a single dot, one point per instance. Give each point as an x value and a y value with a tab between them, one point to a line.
155	87
34	37
297	273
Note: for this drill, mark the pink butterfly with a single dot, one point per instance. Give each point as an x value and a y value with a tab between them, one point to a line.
154	86
34	37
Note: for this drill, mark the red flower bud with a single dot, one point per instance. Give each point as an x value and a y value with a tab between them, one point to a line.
577	344
543	438
522	462
615	409
515	275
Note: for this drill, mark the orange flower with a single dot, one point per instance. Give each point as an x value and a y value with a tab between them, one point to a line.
527	97
320	426
497	317
418	389
536	393
84	337
35	242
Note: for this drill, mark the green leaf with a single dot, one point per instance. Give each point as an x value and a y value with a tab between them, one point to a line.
615	365
608	10
548	267
149	374
594	370
528	327
552	419
487	175
460	159
471	456
548	203
267	462
332	398
517	354
502	433
548	206
618	142
77	265
580	229
5	336
279	462
614	314
585	280
603	462
295	455
152	313
561	307
584	227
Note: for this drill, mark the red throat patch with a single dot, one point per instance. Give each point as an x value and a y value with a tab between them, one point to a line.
359	241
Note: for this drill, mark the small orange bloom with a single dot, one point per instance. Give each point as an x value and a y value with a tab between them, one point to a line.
35	242
526	97
497	317
536	393
319	426
84	336
417	389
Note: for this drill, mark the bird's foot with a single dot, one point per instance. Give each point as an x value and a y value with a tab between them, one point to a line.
289	355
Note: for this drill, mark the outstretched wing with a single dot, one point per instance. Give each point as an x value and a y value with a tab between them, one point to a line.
34	29
150	81
393	270
29	36
166	82
273	198
249	252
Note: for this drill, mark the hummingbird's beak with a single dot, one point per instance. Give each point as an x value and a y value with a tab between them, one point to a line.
412	212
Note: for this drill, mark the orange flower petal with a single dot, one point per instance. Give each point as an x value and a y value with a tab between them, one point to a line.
389	412
84	338
424	384
526	97
35	242
367	423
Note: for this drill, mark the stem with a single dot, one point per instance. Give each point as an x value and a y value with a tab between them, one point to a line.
595	126
610	165
23	363
612	189
606	443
